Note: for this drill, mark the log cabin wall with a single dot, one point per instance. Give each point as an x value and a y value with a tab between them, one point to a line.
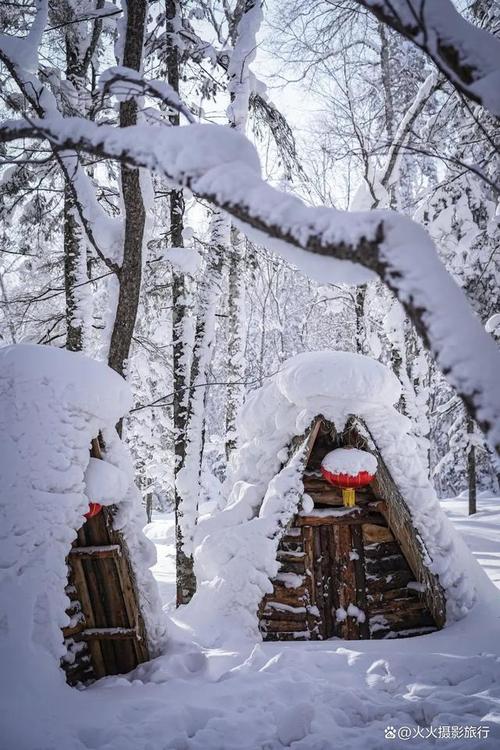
343	572
107	634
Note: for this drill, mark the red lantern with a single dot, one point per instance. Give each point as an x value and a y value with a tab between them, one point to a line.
94	509
348	481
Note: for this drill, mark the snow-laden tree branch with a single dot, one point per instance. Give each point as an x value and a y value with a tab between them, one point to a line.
221	166
468	57
19	56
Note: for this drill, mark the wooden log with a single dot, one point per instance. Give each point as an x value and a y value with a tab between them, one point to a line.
105	591
292	636
292	542
324	533
326	498
108	634
283	626
318	581
96	552
398	607
360	579
403	593
404	621
320	487
137	651
98	602
345	580
405	633
376	551
270	613
334	584
389	581
80	581
79	671
292	597
384	565
70	630
290	556
295	566
375	533
358	515
313	621
399	520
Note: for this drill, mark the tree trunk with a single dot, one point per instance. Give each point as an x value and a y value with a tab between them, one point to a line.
185	578
75	250
359	304
471	468
149	507
75	264
189	474
236	344
186	581
130	274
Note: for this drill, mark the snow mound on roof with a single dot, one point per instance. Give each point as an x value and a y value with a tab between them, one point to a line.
323	377
235	550
52	403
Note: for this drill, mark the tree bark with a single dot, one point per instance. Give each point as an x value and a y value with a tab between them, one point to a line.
471	469
359	309
75	250
74	260
236	348
130	273
185	578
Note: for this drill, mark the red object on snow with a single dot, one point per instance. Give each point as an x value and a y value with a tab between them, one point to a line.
348	483
345	481
94	509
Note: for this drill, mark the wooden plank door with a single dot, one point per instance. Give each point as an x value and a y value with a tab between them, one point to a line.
339	581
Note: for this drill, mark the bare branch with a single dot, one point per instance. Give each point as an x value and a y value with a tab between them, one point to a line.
468	57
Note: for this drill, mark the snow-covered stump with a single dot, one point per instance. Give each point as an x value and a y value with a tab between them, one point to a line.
53	404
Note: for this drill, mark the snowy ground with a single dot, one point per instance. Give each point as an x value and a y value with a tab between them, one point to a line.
316	696
323	696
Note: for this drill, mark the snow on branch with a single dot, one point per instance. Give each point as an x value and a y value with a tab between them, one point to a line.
126	83
222	166
469	57
20	56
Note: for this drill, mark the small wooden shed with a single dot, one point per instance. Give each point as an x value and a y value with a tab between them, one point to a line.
353	573
107	634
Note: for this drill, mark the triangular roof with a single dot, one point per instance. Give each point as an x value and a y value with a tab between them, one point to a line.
393	505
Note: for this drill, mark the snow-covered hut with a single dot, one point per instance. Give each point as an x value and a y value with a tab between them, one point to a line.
286	558
75	584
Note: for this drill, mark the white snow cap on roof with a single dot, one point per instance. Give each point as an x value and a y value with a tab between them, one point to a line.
81	382
235	550
338	376
335	384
